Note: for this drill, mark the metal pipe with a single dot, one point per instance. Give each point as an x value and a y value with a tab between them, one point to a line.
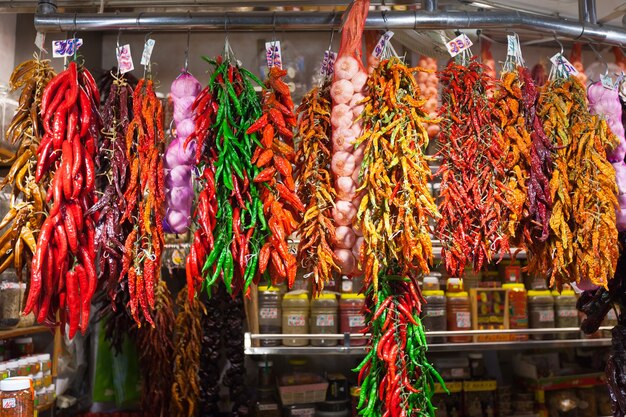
319	21
429	5
587	11
46	6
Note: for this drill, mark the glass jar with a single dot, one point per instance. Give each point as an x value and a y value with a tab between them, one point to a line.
4	373
23	346
52	394
459	316
295	317
269	313
9	304
17	397
35	365
324	318
541	312
566	314
518	308
47	379
434	310
45	362
23	367
38	380
351	319
12	369
41	396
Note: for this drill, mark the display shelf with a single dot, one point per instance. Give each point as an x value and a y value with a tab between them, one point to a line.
45	407
23	331
250	342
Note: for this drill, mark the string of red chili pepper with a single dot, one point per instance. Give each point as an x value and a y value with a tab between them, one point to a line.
230	214
63	271
472	194
145	197
395	376
281	206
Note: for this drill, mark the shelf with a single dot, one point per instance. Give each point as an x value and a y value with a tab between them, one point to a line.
23	331
45	407
345	349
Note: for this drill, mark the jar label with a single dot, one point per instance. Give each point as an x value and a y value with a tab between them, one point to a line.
268	313
296	320
546	315
267	407
463	319
325	320
568	313
9	403
356	321
435	313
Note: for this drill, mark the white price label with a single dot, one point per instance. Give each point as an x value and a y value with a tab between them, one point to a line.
356	321
325	320
511	45
382	42
268	313
463	320
563	64
40	41
124	59
296	320
273	54
66	47
147	51
546	315
458	45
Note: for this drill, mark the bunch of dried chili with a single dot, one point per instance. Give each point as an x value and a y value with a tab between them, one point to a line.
281	205
26	214
187	349
232	222
155	346
144	195
63	271
317	231
473	159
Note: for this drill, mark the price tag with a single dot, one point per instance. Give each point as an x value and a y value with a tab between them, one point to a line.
66	47
124	59
273	54
40	41
563	64
147	51
328	63
607	82
382	42
458	45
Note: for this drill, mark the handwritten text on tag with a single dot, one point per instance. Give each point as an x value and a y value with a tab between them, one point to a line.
147	51
458	45
382	42
273	54
66	47
563	64
124	59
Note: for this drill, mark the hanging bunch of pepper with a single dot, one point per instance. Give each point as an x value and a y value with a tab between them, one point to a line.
315	188
187	349
472	170
281	205
24	219
232	223
396	379
144	197
156	350
63	271
111	233
582	245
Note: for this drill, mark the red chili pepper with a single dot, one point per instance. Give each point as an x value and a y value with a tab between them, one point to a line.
38	259
73	302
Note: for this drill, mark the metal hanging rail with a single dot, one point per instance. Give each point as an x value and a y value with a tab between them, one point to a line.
319	21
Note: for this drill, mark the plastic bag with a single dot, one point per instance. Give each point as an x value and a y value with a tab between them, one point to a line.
347	93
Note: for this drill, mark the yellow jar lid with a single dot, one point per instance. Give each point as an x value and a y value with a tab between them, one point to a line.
297	296
457	294
268	288
513	286
432	292
569	293
326	296
352	296
537	293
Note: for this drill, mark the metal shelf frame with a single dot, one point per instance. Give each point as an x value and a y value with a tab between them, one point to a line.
347	349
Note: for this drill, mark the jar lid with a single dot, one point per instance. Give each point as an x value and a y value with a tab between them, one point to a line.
3	366
296	296
24	340
326	296
433	292
12	365
513	286
431	280
538	293
457	294
352	296
268	288
15	384
22	362
44	357
568	293
454	284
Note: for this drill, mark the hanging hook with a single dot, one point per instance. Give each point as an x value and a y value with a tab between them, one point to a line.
226	25
599	57
274	26
117	41
186	65
384	14
332	35
559	42
138	20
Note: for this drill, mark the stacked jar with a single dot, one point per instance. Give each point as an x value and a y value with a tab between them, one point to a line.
351	316
270	314
566	314
295	316
324	318
459	316
518	308
434	310
541	312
